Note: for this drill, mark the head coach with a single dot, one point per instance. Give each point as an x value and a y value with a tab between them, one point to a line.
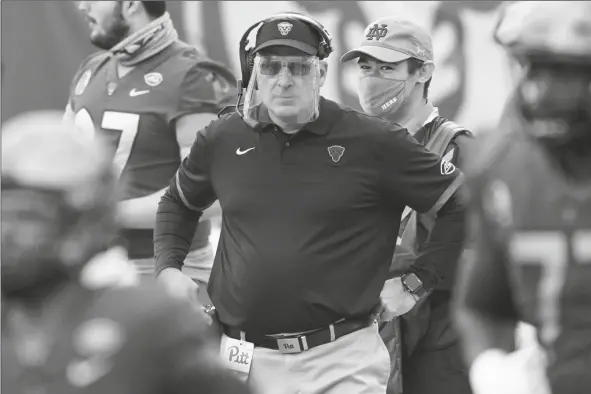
312	196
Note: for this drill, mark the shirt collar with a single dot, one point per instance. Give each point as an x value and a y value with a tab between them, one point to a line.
421	133
320	126
432	115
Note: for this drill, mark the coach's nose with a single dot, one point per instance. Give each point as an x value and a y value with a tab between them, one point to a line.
285	79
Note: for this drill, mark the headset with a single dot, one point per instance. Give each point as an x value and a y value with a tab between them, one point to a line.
247	57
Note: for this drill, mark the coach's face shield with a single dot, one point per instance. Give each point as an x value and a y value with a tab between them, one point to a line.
284	90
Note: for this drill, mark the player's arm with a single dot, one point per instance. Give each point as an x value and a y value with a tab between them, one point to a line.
141	212
413	176
201	96
484	311
190	192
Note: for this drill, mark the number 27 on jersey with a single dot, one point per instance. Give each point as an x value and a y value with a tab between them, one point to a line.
127	124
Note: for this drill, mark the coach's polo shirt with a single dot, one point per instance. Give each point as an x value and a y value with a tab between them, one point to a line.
309	221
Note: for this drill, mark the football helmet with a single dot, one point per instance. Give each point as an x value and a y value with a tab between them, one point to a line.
553	44
57	202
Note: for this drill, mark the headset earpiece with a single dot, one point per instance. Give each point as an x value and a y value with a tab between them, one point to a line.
246	57
250	63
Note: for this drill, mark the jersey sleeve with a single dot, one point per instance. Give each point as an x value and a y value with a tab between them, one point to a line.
483	281
413	175
206	88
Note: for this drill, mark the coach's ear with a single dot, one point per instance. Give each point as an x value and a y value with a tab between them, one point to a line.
323	72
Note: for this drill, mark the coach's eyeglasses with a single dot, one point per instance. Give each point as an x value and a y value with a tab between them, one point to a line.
298	66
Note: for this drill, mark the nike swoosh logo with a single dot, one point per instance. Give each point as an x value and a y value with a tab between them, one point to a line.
241	152
135	93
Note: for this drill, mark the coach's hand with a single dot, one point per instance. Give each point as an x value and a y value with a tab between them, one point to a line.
178	284
396	301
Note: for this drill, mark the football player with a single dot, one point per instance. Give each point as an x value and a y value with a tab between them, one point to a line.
148	93
70	321
531	213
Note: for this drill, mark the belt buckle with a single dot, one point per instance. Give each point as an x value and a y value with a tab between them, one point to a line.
289	345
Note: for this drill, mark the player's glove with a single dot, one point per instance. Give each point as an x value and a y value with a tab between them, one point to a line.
519	372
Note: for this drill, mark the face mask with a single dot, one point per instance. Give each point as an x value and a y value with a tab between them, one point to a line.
381	96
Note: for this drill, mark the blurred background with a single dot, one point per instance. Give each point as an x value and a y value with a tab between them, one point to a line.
44	42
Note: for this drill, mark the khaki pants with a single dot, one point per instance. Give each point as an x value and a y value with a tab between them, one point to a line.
197	267
357	363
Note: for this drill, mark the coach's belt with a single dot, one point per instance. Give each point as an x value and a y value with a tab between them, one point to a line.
303	342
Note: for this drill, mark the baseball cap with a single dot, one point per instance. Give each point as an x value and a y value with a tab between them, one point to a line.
288	32
392	40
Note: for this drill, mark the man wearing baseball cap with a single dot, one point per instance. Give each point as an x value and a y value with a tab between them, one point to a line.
312	195
395	67
293	45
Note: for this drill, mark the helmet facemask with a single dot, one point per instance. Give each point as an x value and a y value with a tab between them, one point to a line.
555	99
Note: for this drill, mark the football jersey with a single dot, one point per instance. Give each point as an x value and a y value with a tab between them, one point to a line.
538	222
137	114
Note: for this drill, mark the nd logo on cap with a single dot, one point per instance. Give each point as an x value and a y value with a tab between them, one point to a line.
391	40
377	32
